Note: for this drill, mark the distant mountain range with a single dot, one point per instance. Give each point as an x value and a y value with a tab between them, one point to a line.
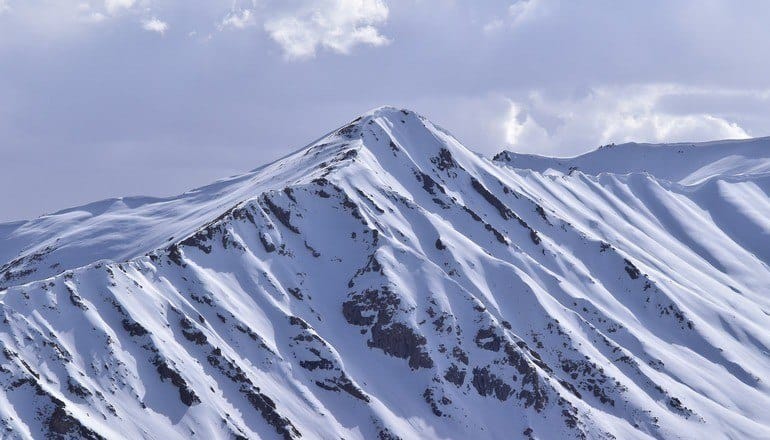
385	282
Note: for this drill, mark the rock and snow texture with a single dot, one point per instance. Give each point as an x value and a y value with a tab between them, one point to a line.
385	282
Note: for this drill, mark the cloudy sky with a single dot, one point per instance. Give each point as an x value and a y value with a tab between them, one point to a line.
103	98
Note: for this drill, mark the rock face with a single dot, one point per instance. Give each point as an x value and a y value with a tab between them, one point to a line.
385	282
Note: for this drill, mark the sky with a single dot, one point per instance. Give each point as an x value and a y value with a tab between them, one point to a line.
107	98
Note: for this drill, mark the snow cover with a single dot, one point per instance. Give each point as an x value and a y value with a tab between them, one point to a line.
686	163
386	282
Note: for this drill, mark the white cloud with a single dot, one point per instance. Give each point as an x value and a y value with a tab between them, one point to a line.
525	10
116	6
520	128
155	25
337	25
493	25
95	17
56	19
88	15
239	20
540	124
300	27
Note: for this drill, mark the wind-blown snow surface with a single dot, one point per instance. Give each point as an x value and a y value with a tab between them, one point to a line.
386	282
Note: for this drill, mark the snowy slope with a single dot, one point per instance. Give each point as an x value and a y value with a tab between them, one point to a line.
686	163
386	282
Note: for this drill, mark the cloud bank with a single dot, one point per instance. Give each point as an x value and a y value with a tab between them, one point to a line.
568	125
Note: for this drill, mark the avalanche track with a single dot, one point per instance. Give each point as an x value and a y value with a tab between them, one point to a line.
386	282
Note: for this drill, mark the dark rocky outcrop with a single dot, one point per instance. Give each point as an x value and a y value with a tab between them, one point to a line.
376	308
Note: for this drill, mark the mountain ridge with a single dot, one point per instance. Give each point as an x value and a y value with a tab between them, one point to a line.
409	289
687	163
331	147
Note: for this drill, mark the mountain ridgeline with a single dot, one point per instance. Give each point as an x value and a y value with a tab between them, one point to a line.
385	282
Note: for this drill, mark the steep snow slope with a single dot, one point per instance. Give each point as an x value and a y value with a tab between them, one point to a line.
686	163
120	229
386	282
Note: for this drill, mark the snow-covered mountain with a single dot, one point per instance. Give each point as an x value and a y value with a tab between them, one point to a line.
386	282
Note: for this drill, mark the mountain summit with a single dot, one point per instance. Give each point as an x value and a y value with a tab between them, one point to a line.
386	282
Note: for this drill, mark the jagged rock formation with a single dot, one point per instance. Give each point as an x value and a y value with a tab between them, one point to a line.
386	282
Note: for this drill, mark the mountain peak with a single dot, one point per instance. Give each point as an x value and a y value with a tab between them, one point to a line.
389	137
389	116
384	136
382	113
388	111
